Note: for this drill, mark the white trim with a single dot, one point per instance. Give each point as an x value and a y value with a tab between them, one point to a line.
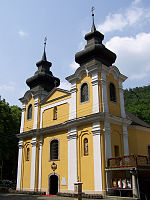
107	132
123	114
22	118
104	92
73	102
95	85
125	140
51	106
72	157
35	123
33	164
20	145
97	157
40	162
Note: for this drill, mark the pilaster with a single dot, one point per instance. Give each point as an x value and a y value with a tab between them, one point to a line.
33	164
107	132
95	84
40	162
72	107
20	145
123	114
125	140
104	92
72	157
22	118
97	156
36	103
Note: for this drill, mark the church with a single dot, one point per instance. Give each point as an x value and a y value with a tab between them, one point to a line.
84	134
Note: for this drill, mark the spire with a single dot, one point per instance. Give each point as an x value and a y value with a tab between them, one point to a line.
93	29
44	53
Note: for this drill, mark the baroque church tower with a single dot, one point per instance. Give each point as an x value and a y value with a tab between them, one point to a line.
77	135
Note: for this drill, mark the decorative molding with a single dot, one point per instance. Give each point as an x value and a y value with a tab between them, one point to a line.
97	156
125	140
107	133
95	84
40	162
22	118
35	123
20	144
73	101
104	92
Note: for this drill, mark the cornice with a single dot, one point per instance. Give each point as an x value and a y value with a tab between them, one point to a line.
139	128
74	123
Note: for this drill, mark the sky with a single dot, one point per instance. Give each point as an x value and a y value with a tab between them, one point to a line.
25	23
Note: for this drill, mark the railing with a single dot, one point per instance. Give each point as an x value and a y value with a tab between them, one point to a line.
129	161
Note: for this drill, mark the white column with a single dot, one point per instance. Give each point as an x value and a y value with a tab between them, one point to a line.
72	106
95	84
125	140
97	156
33	164
107	133
22	118
104	92
36	113
40	162
72	157
123	114
20	145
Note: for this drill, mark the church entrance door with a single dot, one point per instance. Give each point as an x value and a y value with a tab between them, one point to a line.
53	184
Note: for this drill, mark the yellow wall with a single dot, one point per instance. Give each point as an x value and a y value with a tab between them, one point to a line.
26	165
116	139
62	163
85	163
114	107
85	108
28	124
138	141
62	115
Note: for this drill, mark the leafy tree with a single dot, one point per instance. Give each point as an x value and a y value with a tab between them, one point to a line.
9	127
137	101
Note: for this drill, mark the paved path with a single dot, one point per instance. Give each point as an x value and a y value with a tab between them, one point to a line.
35	197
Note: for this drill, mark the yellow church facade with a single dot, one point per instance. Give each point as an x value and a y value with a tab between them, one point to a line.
78	135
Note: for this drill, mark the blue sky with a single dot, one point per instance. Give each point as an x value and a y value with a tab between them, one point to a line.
24	24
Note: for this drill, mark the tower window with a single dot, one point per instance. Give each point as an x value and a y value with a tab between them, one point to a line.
54	149
86	150
84	93
28	154
112	92
55	113
29	112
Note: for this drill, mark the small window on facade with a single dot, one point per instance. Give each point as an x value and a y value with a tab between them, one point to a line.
116	150
55	113
28	154
86	150
112	92
84	92
29	113
54	150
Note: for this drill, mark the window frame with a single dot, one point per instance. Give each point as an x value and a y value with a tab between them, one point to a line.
50	149
84	153
110	98
28	119
81	93
27	153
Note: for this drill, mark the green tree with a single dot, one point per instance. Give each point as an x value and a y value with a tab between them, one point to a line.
9	127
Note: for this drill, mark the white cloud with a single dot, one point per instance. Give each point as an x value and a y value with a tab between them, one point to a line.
65	85
9	87
74	65
132	55
22	33
127	17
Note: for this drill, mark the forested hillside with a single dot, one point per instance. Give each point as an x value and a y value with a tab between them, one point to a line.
9	127
137	101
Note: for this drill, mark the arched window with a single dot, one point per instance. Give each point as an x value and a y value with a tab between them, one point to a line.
112	92
84	92
29	112
28	154
54	149
86	150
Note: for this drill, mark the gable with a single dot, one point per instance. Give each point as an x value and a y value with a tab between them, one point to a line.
56	95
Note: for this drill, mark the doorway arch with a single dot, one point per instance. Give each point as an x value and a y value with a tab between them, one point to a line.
53	183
